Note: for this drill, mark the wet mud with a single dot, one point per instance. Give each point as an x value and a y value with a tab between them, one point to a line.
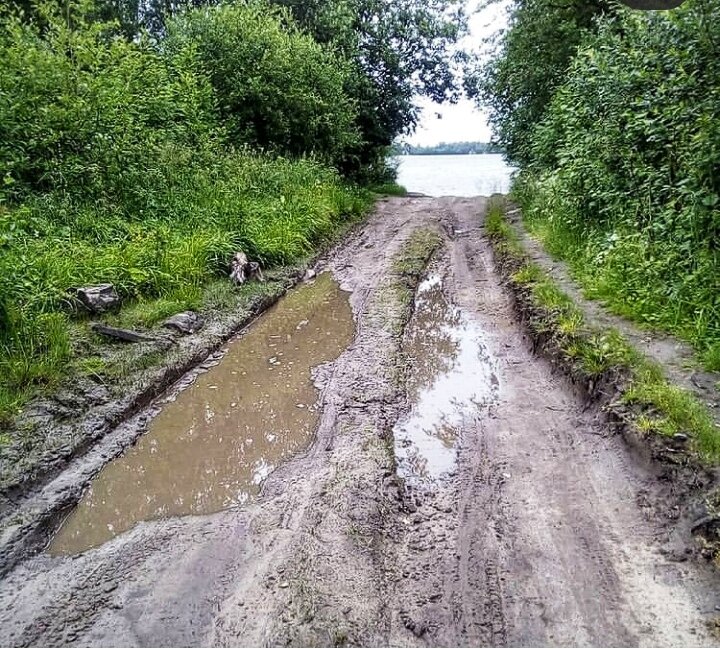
450	374
212	446
445	487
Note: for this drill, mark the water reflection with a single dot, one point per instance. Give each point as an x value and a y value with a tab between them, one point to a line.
451	375
455	175
212	447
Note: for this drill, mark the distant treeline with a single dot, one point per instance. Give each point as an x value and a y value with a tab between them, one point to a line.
450	148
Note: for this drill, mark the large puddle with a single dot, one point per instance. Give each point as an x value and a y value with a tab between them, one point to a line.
451	377
212	446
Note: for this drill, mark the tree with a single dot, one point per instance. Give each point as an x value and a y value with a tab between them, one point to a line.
398	50
275	87
529	62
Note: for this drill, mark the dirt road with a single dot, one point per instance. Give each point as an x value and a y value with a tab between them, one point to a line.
457	493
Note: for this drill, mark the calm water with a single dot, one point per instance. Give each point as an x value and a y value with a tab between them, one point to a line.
211	447
454	175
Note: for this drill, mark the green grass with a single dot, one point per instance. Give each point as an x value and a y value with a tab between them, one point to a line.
409	265
665	409
388	189
277	211
647	277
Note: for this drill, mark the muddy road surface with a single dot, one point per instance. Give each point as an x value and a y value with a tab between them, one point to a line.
365	473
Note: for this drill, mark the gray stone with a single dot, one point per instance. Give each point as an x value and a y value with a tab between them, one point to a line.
98	299
187	322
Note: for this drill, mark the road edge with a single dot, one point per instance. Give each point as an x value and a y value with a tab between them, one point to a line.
691	483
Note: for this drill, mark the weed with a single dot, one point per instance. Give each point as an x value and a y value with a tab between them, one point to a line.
666	408
410	263
388	189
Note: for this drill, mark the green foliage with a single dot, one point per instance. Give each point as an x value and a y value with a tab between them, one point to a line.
625	182
529	61
614	116
385	52
116	168
397	50
85	113
275	88
665	409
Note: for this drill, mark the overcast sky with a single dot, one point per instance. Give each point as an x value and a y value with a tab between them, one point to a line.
462	121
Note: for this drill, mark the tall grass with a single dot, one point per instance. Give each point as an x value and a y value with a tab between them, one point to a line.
120	163
639	273
275	210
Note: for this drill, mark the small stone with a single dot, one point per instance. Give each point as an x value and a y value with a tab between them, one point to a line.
98	299
309	274
187	322
284	584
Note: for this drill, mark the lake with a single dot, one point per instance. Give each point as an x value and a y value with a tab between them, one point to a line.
455	175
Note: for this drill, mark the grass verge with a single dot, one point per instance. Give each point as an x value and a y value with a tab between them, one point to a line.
660	279
651	403
166	259
389	189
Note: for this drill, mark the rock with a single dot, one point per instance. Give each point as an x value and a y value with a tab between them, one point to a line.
242	269
98	299
187	322
121	334
309	274
254	271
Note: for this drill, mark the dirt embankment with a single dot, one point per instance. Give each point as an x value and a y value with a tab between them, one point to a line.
458	492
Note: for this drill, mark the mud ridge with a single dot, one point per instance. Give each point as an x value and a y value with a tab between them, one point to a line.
687	483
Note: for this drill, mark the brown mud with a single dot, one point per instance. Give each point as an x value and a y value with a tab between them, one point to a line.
457	491
211	447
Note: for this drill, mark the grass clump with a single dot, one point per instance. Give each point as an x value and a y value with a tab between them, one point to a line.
389	189
664	408
409	265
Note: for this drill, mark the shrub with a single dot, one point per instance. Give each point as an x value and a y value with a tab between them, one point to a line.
276	88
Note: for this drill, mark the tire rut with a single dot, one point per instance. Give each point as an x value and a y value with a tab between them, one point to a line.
539	528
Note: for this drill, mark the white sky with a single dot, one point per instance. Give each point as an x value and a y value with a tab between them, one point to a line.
462	121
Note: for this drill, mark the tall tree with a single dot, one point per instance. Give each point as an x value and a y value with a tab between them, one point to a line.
399	50
529	61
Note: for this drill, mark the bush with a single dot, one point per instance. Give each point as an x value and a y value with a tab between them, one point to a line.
275	87
86	113
625	179
116	168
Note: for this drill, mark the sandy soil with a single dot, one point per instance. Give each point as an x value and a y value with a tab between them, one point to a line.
543	531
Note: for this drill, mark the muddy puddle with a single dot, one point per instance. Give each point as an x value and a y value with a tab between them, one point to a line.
451	377
212	446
